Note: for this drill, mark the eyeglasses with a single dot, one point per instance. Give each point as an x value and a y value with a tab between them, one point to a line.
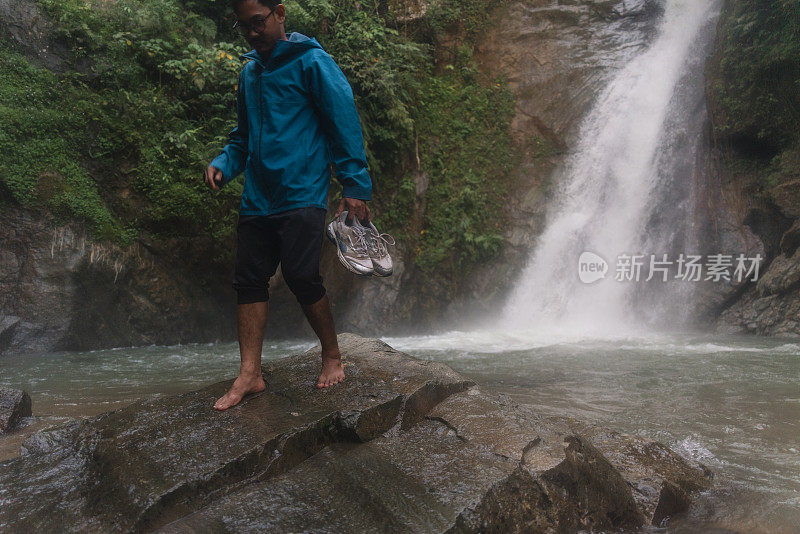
257	24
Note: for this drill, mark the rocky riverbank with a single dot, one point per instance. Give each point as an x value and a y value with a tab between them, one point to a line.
401	445
755	162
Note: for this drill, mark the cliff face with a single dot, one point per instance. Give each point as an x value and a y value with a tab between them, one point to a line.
61	291
556	55
754	165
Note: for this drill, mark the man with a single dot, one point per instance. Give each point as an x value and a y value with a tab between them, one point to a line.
296	114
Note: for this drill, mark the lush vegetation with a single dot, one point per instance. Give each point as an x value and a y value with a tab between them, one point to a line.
755	88
44	125
120	141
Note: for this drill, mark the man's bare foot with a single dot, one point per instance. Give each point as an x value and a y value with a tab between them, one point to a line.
332	371
241	386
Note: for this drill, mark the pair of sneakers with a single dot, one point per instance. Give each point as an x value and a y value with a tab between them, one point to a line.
361	249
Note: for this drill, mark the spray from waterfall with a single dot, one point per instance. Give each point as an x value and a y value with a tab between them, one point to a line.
625	186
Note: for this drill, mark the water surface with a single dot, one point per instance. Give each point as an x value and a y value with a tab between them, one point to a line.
732	403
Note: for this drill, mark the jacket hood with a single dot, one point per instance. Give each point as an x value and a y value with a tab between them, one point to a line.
295	44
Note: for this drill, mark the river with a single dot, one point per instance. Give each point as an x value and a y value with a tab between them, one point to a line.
732	403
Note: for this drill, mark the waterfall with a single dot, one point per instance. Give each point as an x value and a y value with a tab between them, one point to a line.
625	189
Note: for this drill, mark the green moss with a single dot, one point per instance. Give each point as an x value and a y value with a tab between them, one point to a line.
155	102
466	148
44	122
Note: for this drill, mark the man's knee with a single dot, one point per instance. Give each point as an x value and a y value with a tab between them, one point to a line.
307	288
250	294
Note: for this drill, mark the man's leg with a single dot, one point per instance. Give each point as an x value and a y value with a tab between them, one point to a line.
302	233
321	320
256	261
251	319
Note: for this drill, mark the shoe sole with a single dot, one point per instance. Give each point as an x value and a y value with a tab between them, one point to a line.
329	233
380	274
349	267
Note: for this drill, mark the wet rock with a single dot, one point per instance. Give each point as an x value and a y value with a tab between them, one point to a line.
771	306
790	240
28	28
8	328
157	460
662	481
401	445
474	463
783	274
14	403
60	290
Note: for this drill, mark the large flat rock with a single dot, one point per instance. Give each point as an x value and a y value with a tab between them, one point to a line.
474	463
154	461
400	445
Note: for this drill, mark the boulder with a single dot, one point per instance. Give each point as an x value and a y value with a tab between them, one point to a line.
771	306
402	444
23	24
14	403
662	482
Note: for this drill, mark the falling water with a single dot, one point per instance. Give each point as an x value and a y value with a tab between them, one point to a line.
626	186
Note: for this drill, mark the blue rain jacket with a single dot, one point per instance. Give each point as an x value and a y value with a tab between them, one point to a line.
296	114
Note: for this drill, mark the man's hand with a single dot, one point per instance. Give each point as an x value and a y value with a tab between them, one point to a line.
212	177
353	206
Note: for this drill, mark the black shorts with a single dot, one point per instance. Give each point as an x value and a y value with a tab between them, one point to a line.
292	238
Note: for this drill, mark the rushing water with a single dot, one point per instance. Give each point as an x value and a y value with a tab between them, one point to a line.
731	403
626	187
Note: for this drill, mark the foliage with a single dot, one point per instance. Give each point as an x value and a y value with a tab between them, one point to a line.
462	17
156	94
122	141
465	146
43	125
755	92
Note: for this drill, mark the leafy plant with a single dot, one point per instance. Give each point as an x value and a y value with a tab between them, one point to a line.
121	142
755	92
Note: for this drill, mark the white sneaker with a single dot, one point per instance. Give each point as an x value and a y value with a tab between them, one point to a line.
351	244
376	248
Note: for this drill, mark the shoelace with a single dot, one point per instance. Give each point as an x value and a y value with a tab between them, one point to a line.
379	242
360	246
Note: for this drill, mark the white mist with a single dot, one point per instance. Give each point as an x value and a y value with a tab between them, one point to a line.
606	190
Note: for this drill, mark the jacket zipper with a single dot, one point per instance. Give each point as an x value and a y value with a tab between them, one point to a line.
260	118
